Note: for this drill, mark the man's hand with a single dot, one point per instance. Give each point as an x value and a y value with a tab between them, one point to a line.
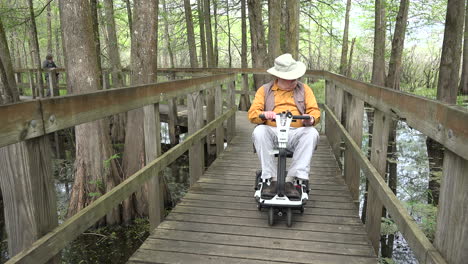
269	115
308	122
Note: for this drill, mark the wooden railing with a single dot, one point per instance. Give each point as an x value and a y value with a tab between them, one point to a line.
447	124
444	123
37	118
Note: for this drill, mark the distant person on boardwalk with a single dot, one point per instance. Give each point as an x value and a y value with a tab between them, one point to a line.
49	64
285	93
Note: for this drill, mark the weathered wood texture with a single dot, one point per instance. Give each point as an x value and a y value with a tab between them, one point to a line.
51	243
195	122
354	118
218	222
422	248
53	114
452	220
380	135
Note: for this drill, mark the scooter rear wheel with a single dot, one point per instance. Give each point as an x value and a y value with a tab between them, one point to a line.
271	216
289	217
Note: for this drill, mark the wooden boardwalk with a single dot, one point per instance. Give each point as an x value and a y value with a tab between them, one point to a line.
218	222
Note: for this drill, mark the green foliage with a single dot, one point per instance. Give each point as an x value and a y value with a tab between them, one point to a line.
388	226
426	217
386	261
111	158
318	88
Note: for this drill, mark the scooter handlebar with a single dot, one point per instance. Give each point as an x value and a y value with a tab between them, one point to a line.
262	116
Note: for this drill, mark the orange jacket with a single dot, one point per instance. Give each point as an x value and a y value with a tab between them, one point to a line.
284	100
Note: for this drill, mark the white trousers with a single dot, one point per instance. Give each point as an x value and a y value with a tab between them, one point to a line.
301	140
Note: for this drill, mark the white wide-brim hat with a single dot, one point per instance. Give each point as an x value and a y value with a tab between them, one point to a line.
287	68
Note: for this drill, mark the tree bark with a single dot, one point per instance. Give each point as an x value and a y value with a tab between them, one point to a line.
117	121
97	42
394	68
7	78
166	34
350	63
143	65
202	32
190	35
378	65
49	28
244	102
95	170
257	36
463	87
228	35
129	16
209	34
447	86
215	47
344	50
35	49
274	30
292	7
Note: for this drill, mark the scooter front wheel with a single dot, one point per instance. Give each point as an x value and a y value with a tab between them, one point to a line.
271	216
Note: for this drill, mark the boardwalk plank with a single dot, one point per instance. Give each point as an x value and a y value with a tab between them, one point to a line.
217	221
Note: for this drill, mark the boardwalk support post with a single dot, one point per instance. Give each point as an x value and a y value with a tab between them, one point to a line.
354	118
195	123
152	128
380	134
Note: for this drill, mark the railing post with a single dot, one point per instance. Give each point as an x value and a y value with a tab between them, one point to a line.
31	84
218	112
210	114
333	101
380	135
195	123
28	190
152	128
54	91
452	220
231	102
354	118
244	102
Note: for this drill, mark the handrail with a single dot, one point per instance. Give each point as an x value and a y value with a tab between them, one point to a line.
417	240
35	118
51	243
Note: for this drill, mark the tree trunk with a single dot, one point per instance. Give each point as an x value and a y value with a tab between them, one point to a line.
190	35
394	68
344	50
274	30
49	28
257	35
129	16
117	121
95	170
97	42
228	34
244	102
112	45
215	48
7	78
143	65
209	34
447	86
350	63
378	65
293	27
35	49
166	34
463	87
202	32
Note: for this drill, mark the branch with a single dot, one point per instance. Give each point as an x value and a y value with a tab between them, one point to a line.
36	15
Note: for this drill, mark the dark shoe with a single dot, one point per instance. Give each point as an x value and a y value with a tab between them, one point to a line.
291	191
269	191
